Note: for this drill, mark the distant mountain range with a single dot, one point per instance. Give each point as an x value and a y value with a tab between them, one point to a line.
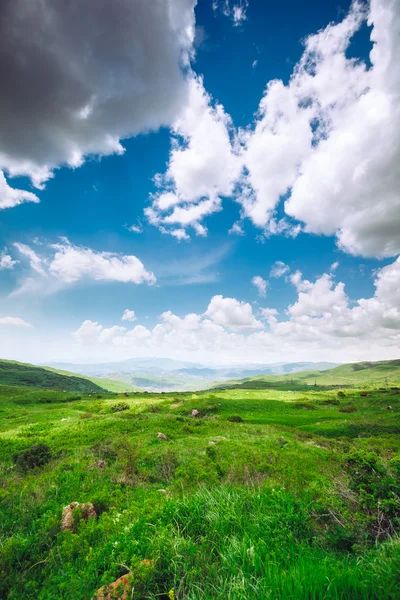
166	374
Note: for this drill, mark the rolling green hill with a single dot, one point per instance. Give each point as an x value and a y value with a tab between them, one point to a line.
21	374
376	374
111	385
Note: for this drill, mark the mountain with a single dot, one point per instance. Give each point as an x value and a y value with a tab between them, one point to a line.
378	374
21	374
166	374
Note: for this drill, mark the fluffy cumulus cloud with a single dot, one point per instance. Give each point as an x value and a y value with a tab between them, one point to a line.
13	322
128	315
261	285
322	324
6	261
330	139
66	263
203	167
79	77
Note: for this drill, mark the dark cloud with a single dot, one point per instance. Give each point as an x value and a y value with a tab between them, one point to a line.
79	76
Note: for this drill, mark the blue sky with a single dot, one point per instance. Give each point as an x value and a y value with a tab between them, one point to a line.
170	126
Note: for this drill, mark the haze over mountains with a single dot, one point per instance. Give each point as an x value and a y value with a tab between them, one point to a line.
169	374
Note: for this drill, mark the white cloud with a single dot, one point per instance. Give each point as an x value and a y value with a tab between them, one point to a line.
76	84
203	166
68	264
236	229
10	197
330	139
334	266
232	314
13	322
35	261
279	269
135	228
261	285
318	298
234	10
129	315
323	324
6	261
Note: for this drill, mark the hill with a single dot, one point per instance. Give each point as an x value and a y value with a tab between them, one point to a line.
375	374
111	385
20	374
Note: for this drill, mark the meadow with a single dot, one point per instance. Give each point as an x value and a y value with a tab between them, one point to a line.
264	494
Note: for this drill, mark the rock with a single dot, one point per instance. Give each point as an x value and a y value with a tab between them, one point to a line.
120	589
87	509
390	407
195	413
212	444
162	491
100	464
123	588
162	436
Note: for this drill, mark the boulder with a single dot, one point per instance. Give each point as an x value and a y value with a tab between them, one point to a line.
195	413
120	589
390	407
162	436
87	509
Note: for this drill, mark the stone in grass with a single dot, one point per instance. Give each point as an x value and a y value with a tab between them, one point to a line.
195	413
120	589
235	419
124	587
162	436
87	509
389	407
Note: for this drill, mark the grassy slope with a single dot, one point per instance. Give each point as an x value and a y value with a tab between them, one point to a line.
21	374
375	374
110	385
268	511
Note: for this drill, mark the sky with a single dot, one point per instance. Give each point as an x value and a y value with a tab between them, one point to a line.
216	181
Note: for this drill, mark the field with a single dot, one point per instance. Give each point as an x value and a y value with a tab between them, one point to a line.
265	494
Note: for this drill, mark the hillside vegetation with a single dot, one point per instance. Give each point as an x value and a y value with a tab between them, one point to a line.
111	385
376	374
20	374
263	494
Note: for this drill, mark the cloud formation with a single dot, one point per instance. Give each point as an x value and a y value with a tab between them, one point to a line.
322	324
67	263
261	285
13	322
6	261
79	77
128	315
203	166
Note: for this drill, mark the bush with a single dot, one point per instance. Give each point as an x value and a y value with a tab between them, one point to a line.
235	419
35	456
119	407
303	405
348	409
341	394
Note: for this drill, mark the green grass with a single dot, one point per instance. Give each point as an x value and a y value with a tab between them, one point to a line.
299	501
369	374
21	374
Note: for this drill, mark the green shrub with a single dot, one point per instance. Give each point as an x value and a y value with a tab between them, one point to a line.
119	407
35	456
235	419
